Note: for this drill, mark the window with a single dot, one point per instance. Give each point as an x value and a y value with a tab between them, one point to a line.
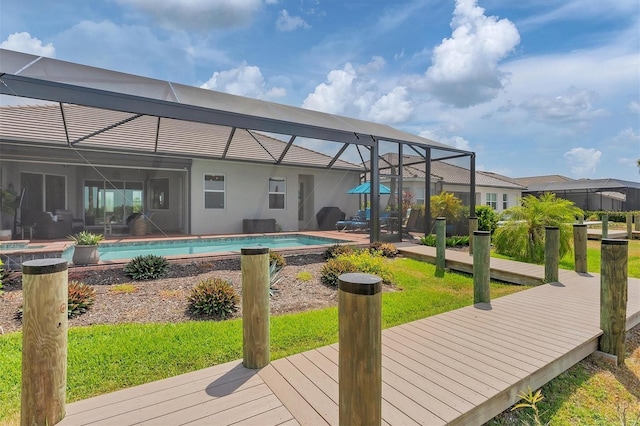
505	201
159	193
492	200
214	189
277	192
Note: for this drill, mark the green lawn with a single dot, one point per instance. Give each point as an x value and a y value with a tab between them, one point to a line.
593	258
105	358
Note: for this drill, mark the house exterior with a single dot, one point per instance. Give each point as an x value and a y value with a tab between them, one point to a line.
497	191
587	194
96	148
180	195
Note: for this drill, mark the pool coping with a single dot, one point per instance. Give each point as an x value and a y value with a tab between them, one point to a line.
15	257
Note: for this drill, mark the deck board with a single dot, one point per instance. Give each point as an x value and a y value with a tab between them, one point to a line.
460	368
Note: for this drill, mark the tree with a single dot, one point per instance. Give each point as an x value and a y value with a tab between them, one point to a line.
522	236
446	205
487	218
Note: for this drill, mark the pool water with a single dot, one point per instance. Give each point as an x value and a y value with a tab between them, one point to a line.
124	250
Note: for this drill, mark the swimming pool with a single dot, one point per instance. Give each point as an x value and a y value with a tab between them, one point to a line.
129	250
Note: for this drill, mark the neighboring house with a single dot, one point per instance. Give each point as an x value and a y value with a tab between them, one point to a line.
97	146
499	192
587	194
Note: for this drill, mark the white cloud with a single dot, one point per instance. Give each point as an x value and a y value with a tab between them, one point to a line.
455	141
465	67
391	108
287	22
377	64
334	95
198	14
627	137
24	42
634	107
573	106
583	161
244	80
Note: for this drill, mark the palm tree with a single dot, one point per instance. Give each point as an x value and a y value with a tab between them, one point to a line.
522	236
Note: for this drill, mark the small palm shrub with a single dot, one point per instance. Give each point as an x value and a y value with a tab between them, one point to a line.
522	236
487	218
80	298
214	298
385	249
278	259
147	267
338	249
362	261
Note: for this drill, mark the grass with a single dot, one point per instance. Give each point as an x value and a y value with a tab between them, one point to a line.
592	392
105	358
593	258
123	288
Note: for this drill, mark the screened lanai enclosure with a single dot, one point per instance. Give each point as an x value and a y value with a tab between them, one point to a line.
96	149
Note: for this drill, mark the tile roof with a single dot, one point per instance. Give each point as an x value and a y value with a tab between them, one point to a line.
107	130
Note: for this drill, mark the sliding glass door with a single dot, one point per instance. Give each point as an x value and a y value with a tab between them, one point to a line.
111	202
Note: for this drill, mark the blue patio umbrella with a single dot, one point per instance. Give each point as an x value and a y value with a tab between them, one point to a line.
365	188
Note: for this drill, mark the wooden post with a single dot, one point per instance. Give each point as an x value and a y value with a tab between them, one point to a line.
613	297
551	253
637	222
481	267
45	292
580	247
605	226
360	349
441	242
254	263
629	226
473	226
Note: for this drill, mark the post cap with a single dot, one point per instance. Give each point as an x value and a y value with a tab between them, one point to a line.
481	233
359	283
254	250
612	242
44	266
551	227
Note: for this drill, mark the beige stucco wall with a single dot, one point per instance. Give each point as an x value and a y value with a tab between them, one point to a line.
247	195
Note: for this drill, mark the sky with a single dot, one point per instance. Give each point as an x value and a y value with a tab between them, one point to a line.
536	87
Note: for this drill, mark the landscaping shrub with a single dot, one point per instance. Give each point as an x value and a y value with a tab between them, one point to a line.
80	298
338	249
362	261
304	276
274	277
333	269
385	249
213	297
487	218
453	241
148	267
522	236
278	259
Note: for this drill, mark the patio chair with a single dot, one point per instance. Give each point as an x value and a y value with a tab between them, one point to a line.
358	222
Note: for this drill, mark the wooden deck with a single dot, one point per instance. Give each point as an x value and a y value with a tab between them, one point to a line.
461	368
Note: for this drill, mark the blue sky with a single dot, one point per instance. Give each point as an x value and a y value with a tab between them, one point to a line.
534	87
